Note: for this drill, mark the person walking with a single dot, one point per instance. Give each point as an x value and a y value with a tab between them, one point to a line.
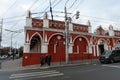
48	59
42	60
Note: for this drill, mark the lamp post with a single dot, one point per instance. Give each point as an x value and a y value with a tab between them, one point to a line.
11	39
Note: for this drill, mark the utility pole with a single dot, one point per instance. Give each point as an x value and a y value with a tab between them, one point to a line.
66	36
1	25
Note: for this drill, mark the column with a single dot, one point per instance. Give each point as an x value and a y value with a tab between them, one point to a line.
70	26
44	48
71	48
94	51
97	50
90	49
26	47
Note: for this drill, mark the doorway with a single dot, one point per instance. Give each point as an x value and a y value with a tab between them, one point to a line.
101	48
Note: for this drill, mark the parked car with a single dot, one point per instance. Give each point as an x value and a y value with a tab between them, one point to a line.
110	56
3	57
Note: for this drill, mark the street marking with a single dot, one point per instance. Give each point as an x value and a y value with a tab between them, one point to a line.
111	66
36	74
33	73
51	75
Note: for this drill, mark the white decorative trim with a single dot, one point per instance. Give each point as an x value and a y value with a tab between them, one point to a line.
70	39
26	47
44	48
94	51
55	48
97	50
58	37
77	49
37	34
45	38
82	37
29	22
54	35
90	49
70	26
46	23
27	38
70	48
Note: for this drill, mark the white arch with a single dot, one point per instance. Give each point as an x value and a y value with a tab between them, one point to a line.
54	35
81	36
34	35
102	39
105	45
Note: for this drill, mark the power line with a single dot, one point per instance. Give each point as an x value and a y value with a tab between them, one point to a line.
9	8
81	1
66	2
33	4
23	14
47	7
11	21
57	3
40	4
13	17
72	4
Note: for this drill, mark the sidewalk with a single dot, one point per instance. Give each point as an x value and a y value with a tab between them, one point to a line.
17	64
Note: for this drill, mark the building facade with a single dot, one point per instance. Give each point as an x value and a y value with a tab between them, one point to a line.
45	36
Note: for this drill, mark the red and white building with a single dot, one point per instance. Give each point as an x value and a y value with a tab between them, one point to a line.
44	36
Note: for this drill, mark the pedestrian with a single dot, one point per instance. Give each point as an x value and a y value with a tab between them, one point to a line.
46	58
42	60
49	60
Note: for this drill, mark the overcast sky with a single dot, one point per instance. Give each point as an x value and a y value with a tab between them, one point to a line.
99	12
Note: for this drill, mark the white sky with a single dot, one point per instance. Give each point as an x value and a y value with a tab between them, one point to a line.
99	12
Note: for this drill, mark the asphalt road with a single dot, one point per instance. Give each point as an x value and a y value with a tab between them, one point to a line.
81	72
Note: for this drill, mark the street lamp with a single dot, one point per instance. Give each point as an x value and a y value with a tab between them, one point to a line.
18	31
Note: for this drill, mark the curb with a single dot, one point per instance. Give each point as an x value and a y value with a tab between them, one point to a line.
47	67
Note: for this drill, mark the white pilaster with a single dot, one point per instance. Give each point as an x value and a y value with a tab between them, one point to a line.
29	22
111	31
26	47
106	47
46	23
97	50
70	26
70	48
94	51
90	49
28	19
89	27
44	48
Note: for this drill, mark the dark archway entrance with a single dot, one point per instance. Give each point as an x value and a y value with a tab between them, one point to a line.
101	48
35	44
